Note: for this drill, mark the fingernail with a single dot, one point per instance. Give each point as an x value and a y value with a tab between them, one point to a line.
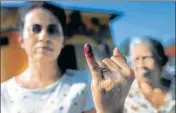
88	50
117	50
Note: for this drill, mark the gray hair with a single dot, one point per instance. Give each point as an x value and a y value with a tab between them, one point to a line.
155	46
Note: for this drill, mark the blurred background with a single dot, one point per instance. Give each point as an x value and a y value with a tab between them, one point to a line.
104	25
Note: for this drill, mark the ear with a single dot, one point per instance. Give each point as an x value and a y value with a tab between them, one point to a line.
21	42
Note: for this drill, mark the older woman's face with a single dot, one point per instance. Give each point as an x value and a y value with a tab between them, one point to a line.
144	63
42	36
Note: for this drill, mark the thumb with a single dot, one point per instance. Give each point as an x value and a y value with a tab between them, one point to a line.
116	52
92	64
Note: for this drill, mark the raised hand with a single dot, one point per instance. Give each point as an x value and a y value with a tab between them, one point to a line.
111	80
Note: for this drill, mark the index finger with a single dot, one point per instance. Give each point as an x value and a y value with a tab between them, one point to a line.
92	64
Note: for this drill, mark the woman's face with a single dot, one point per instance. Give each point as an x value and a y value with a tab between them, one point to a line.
144	64
42	35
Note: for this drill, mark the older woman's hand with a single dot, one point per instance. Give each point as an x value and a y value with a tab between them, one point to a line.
111	80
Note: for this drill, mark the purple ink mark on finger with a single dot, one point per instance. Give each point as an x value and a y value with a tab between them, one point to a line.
88	50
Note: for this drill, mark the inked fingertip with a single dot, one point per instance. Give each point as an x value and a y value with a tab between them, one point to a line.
88	50
86	47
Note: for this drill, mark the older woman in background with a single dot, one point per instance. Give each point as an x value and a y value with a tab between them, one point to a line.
148	93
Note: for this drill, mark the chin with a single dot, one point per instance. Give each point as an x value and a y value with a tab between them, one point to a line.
43	58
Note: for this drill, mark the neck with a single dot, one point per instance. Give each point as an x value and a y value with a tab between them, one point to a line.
44	70
40	74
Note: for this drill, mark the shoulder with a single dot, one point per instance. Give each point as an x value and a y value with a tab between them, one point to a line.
6	84
6	87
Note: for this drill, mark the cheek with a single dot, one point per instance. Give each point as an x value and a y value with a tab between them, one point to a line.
58	44
28	46
60	41
29	40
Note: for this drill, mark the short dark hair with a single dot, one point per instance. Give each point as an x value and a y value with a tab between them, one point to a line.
55	10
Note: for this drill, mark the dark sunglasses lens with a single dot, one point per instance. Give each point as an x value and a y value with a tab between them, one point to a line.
52	29
36	28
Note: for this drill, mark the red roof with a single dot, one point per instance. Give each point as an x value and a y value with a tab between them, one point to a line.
170	51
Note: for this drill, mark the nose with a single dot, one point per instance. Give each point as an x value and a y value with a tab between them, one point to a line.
140	63
43	36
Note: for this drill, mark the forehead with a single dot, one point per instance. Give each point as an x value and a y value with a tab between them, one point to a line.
141	49
40	16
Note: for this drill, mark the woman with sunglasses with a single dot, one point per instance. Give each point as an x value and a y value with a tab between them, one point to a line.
42	88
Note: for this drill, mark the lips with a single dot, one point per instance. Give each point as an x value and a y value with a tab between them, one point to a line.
45	48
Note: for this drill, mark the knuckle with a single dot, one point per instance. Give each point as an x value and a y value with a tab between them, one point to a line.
106	59
113	57
129	73
94	67
98	61
132	72
116	59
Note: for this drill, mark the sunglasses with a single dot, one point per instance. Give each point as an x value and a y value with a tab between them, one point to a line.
52	29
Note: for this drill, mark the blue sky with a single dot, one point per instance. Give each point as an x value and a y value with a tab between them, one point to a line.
139	18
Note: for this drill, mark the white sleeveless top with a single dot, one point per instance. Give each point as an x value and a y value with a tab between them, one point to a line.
70	94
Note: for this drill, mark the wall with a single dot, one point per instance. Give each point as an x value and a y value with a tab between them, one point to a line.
13	59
